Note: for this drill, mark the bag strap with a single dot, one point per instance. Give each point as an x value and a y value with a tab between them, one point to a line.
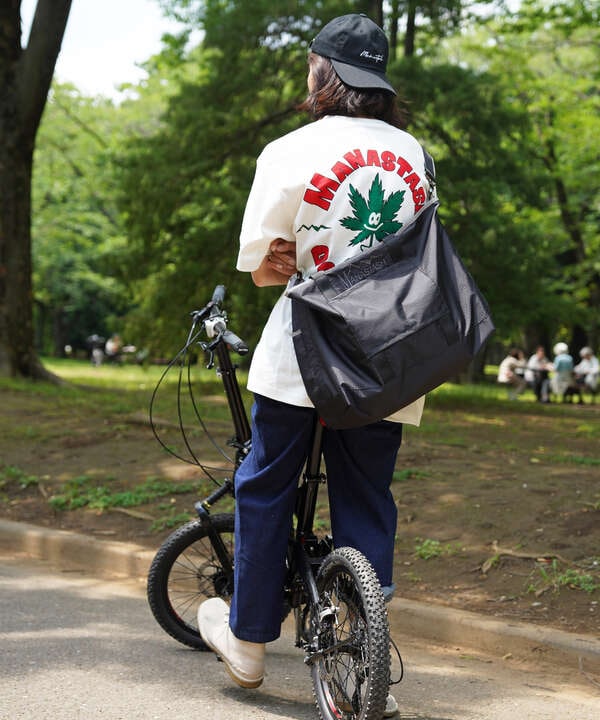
429	170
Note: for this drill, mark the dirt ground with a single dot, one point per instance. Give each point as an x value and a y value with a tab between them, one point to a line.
498	505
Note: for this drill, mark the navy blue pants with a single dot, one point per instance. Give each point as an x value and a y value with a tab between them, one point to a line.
359	466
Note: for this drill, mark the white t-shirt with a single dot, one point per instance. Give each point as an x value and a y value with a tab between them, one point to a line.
334	187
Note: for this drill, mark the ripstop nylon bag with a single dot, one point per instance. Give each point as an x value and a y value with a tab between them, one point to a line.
379	330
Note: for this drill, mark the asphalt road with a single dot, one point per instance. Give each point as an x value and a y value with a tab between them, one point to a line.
74	648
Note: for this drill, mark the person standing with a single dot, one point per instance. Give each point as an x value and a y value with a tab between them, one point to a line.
320	195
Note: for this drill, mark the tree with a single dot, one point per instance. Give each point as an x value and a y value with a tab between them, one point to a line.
25	78
552	52
75	225
486	178
184	189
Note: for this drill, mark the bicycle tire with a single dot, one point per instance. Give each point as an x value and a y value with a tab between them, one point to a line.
185	572
351	672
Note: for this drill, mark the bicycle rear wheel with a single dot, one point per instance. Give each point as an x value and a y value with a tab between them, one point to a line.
351	669
185	572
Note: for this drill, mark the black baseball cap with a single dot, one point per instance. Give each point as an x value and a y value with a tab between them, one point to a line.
358	50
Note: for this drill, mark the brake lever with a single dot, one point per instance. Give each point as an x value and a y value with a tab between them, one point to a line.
210	349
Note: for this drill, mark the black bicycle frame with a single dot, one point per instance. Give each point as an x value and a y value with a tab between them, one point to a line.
306	552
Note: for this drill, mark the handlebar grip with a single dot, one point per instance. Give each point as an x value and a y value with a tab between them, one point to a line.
218	294
235	342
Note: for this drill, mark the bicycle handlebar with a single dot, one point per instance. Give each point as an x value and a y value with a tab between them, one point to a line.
218	295
235	342
215	324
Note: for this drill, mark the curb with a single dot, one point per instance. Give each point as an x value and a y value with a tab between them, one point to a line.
69	550
500	638
435	623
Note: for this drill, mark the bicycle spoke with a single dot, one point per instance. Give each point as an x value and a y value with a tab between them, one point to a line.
185	572
351	664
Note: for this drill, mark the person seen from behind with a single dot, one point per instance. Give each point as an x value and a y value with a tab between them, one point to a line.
320	195
562	379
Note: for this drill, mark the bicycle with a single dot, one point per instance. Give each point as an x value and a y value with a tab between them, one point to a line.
340	616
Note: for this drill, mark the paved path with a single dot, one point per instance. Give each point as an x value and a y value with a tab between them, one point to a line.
73	647
421	620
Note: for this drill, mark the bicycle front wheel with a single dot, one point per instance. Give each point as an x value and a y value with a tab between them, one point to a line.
351	669
185	572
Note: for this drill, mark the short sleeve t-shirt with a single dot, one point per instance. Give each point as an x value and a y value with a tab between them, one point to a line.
335	188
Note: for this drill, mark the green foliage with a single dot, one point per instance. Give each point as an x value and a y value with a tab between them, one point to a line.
553	52
10	473
577	460
85	491
75	223
487	177
183	190
78	233
171	520
408	474
427	549
552	577
138	206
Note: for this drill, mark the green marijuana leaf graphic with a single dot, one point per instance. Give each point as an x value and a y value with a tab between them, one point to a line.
373	218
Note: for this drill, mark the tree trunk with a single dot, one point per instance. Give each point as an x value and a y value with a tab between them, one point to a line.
17	355
394	21
535	335
411	28
25	77
372	8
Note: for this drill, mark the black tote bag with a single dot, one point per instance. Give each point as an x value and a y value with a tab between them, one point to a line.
379	330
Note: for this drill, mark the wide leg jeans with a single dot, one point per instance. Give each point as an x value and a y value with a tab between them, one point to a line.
359	465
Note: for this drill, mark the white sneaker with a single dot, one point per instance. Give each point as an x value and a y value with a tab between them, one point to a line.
391	706
245	661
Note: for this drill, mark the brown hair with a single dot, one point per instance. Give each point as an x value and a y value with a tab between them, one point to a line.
331	96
